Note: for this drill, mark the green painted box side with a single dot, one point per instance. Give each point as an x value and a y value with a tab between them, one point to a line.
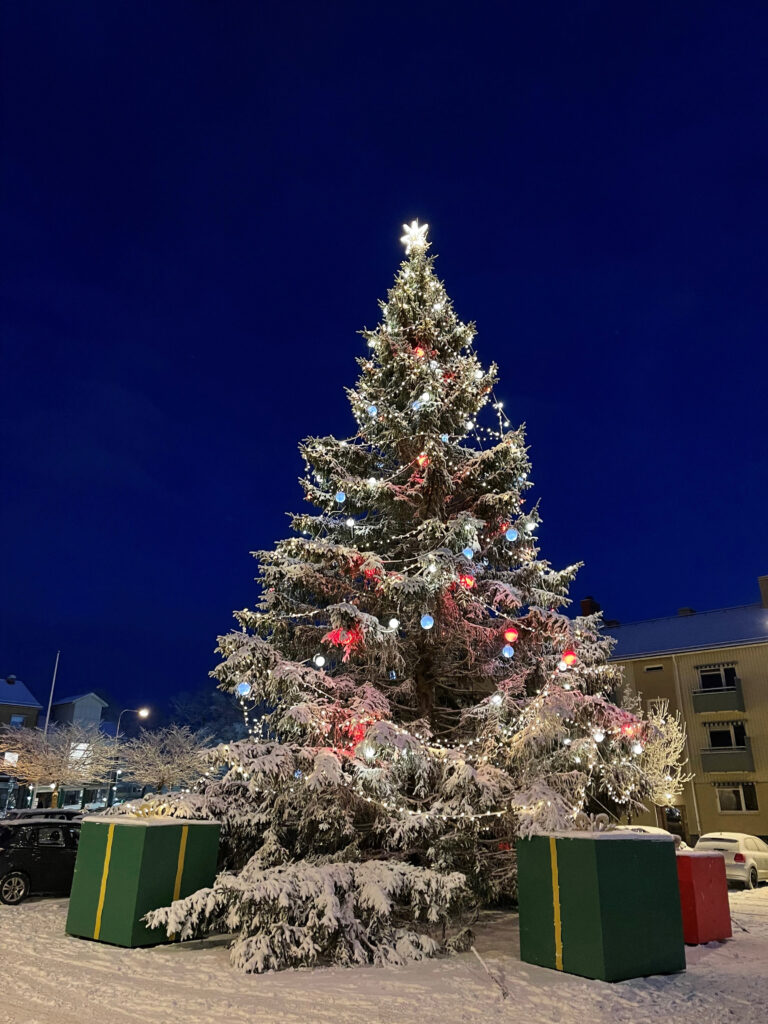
640	908
86	882
154	883
534	896
201	861
619	906
142	874
125	864
580	909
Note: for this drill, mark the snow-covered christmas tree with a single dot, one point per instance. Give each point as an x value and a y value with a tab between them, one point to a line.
427	699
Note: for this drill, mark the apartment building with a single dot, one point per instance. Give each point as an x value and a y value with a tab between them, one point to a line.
712	667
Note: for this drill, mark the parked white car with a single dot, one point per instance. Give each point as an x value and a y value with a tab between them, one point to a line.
746	857
654	831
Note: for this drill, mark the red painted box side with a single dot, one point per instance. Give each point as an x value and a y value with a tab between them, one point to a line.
703	898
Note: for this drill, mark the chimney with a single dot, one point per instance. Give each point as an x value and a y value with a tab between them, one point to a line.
686	611
10	680
589	605
762	582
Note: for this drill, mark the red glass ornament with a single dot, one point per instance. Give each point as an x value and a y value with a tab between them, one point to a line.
467	581
511	634
349	639
422	460
569	657
419	352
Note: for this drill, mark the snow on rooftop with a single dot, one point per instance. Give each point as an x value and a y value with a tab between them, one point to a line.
723	627
16	693
79	696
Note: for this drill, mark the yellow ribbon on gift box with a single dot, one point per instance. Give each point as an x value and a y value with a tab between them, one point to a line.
556	904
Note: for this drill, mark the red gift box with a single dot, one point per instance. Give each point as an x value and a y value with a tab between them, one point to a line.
703	897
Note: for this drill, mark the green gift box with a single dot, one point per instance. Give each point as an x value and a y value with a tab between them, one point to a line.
600	904
126	867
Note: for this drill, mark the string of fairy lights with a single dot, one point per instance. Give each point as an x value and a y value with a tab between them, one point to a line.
470	750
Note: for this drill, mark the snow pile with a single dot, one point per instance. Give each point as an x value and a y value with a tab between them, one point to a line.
57	979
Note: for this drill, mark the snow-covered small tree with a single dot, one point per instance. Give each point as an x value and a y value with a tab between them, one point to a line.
68	755
164	758
428	698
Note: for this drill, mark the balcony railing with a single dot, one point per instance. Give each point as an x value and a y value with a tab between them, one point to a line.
726	698
728	759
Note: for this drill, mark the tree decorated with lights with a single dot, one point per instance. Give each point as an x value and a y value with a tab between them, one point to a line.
428	701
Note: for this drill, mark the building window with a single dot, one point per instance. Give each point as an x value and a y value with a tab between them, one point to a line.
736	799
17	721
653	668
727	734
717	677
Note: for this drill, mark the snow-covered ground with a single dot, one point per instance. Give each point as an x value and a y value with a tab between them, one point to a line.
51	978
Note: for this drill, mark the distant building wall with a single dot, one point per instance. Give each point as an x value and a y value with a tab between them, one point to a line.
9	713
727	729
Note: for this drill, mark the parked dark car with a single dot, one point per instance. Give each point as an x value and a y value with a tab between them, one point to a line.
65	813
37	857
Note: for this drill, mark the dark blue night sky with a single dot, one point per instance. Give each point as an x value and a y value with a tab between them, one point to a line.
201	205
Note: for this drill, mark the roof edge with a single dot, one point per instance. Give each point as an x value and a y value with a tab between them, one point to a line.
686	650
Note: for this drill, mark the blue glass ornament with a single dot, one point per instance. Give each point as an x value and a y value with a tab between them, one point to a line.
297	773
427	622
392	674
416	405
511	533
372	410
444	438
468	552
243	689
508	651
341	497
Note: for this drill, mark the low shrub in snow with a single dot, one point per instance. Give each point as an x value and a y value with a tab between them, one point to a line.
375	912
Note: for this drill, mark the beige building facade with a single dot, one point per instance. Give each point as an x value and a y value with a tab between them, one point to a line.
712	667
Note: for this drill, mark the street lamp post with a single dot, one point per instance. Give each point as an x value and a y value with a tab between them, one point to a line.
142	713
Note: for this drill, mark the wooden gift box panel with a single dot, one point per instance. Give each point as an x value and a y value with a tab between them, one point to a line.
703	896
126	867
600	904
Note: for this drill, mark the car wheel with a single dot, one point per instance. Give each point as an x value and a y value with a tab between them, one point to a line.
751	882
14	887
